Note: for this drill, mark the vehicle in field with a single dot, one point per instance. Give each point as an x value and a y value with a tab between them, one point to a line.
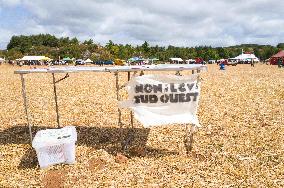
108	62
119	62
80	62
190	61
227	62
232	62
101	63
211	61
199	60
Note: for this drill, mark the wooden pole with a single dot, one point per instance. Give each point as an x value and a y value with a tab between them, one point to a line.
26	106
56	103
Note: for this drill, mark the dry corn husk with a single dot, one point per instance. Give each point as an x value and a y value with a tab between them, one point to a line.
240	143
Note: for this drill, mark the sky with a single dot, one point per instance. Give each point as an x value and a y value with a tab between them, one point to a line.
159	22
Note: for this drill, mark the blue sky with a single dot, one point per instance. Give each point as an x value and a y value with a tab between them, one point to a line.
162	22
12	22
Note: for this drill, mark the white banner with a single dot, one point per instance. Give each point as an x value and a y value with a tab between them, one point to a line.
163	99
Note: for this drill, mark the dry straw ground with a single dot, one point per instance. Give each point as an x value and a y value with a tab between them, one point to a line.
239	145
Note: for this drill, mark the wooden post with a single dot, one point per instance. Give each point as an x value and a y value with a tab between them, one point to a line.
188	140
56	103
26	106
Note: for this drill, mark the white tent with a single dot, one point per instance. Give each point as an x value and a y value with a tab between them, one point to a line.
1	59
88	61
176	60
245	57
150	61
34	58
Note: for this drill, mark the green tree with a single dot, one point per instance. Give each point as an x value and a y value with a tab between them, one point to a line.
88	42
223	53
13	54
109	45
145	48
74	41
280	46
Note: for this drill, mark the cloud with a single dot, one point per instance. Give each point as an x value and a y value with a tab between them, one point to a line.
4	38
162	22
9	3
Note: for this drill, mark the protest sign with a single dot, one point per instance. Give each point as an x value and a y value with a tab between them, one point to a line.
163	99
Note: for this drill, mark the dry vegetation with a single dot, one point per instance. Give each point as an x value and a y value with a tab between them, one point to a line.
239	145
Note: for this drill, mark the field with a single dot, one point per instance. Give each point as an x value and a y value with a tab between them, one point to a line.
240	143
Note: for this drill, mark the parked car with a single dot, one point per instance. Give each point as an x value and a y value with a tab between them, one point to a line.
232	62
108	62
119	62
80	62
211	61
227	62
190	61
98	63
56	62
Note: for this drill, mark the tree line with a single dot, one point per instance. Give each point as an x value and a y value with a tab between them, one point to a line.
55	48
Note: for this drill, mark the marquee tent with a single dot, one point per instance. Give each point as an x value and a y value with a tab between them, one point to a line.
274	58
136	60
88	61
1	59
35	58
151	61
67	59
245	57
176	60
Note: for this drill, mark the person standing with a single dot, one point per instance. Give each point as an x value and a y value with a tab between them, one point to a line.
252	63
279	62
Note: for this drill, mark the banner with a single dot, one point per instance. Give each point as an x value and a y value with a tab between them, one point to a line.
163	99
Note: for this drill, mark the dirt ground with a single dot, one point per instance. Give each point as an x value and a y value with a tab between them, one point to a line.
240	143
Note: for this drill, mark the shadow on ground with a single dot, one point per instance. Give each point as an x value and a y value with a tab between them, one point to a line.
110	139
